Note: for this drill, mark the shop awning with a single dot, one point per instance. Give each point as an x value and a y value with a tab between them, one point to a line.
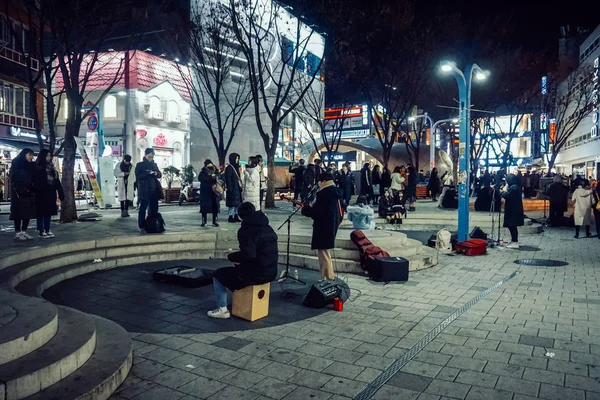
18	145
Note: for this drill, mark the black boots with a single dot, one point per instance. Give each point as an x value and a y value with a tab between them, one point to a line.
203	220
215	219
231	219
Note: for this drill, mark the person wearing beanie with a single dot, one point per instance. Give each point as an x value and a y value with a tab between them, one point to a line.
147	177
209	200
252	182
255	262
326	213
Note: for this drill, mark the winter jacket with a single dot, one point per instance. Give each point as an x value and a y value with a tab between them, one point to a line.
397	182
513	204
22	198
298	176
46	192
326	217
558	193
366	181
434	184
209	200
147	184
411	186
308	180
385	206
233	182
124	183
258	255
345	184
361	216
386	181
252	186
583	206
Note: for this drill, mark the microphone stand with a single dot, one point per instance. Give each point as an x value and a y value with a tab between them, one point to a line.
287	275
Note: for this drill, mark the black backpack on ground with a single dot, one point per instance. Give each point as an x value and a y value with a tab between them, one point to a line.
154	224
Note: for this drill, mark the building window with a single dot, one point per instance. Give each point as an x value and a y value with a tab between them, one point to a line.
19	109
173	111
110	107
154	105
6	98
65	106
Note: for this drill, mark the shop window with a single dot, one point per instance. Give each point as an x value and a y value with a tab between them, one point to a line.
7	98
19	109
313	65
288	51
110	107
173	111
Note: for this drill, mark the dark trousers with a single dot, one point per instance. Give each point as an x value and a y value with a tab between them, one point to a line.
556	213
124	205
151	204
514	233
597	217
297	192
21	225
43	223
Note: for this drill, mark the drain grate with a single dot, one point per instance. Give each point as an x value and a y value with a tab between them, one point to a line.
529	248
397	365
541	263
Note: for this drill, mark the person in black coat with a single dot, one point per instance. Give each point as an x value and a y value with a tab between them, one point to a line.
147	177
514	215
22	197
433	186
234	187
326	215
558	194
386	203
255	262
308	181
209	200
298	177
345	184
376	174
47	187
386	181
366	182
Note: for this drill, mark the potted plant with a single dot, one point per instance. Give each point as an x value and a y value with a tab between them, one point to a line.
188	174
171	173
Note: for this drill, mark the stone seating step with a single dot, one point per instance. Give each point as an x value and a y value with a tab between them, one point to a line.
68	350
102	374
35	324
304	249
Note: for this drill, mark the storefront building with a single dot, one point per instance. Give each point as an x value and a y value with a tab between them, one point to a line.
581	153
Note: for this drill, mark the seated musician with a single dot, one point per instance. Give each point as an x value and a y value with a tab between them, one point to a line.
255	262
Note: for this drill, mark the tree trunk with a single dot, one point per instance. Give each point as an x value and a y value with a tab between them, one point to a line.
551	162
68	208
270	197
387	150
222	159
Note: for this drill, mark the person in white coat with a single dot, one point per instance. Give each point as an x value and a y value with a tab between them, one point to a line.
583	209
252	183
125	175
397	181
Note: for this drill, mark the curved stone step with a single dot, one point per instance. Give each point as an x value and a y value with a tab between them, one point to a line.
35	324
37	284
305	249
68	350
102	374
312	262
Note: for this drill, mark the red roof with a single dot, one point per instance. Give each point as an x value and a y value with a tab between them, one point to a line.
145	72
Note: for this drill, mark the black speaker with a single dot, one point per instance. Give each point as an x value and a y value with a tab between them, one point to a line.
477	233
322	293
388	269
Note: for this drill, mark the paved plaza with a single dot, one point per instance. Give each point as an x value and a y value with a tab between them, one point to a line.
510	332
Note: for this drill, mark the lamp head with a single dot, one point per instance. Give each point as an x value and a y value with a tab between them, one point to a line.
480	76
455	121
447	66
122	93
412	119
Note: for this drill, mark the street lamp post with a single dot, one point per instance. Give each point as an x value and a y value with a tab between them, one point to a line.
464	92
432	138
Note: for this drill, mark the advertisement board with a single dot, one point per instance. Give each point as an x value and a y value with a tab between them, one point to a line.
90	172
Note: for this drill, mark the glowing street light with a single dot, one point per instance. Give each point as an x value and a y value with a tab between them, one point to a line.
464	92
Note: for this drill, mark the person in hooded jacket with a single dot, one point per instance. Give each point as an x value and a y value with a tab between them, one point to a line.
47	187
209	200
361	214
255	262
325	213
582	197
147	177
345	184
514	215
308	181
558	194
233	183
125	179
22	196
433	186
252	182
386	181
366	182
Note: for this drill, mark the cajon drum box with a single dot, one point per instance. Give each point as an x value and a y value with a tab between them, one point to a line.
251	302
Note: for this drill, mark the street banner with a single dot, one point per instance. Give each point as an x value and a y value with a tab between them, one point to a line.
90	172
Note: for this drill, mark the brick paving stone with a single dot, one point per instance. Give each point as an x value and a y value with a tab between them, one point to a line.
148	369
473	333
482	343
232	392
454	350
448	374
466	363
388	392
567	367
485	354
368	375
213	370
449	389
518	386
303	393
478	393
515	348
174	378
528	361
159	393
202	387
421	368
553	392
432	357
313	363
343	370
374	349
249	363
278	370
539	375
344	387
584	383
242	379
369	360
477	378
310	379
273	388
414	382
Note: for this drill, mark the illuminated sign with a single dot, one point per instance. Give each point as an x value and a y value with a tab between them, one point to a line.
544	85
335	156
338	113
346	118
595	100
543	122
16	131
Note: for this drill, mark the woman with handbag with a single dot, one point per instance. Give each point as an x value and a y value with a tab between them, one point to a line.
47	186
582	211
252	182
233	184
210	193
22	198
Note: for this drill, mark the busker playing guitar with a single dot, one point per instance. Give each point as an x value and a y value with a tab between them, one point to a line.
327	214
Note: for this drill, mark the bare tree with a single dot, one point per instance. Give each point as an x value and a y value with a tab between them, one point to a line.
574	102
217	75
284	59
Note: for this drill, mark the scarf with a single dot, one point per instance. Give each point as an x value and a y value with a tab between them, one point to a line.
125	167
